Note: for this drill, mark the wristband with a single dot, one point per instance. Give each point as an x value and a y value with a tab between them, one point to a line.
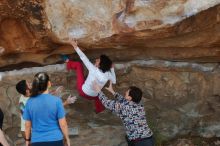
27	139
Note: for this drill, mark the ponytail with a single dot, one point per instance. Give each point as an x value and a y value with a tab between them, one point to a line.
39	84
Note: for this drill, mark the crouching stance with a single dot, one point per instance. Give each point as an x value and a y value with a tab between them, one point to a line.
131	112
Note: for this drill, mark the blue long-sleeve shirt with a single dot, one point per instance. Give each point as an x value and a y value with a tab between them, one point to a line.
132	115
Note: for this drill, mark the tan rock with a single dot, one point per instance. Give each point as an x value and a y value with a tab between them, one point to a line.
178	97
36	31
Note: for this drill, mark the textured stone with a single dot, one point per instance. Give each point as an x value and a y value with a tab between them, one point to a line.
36	31
179	100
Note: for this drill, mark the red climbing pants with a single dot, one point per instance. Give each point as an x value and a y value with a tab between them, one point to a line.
77	66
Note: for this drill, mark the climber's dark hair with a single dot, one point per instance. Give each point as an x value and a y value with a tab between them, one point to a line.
21	87
39	84
105	63
135	93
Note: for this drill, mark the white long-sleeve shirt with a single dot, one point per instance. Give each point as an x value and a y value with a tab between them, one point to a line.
95	74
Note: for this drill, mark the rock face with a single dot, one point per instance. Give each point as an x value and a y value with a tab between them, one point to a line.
174	39
179	98
37	31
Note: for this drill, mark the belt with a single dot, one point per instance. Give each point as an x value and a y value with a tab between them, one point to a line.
140	139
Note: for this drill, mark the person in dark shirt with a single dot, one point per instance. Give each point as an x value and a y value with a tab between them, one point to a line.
1	118
3	141
131	112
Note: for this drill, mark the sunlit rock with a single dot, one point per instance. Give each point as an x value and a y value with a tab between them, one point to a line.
37	31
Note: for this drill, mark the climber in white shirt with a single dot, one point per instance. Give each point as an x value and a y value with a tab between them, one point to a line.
101	72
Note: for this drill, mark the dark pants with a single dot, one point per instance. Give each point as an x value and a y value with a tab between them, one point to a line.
51	143
1	121
1	118
142	142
